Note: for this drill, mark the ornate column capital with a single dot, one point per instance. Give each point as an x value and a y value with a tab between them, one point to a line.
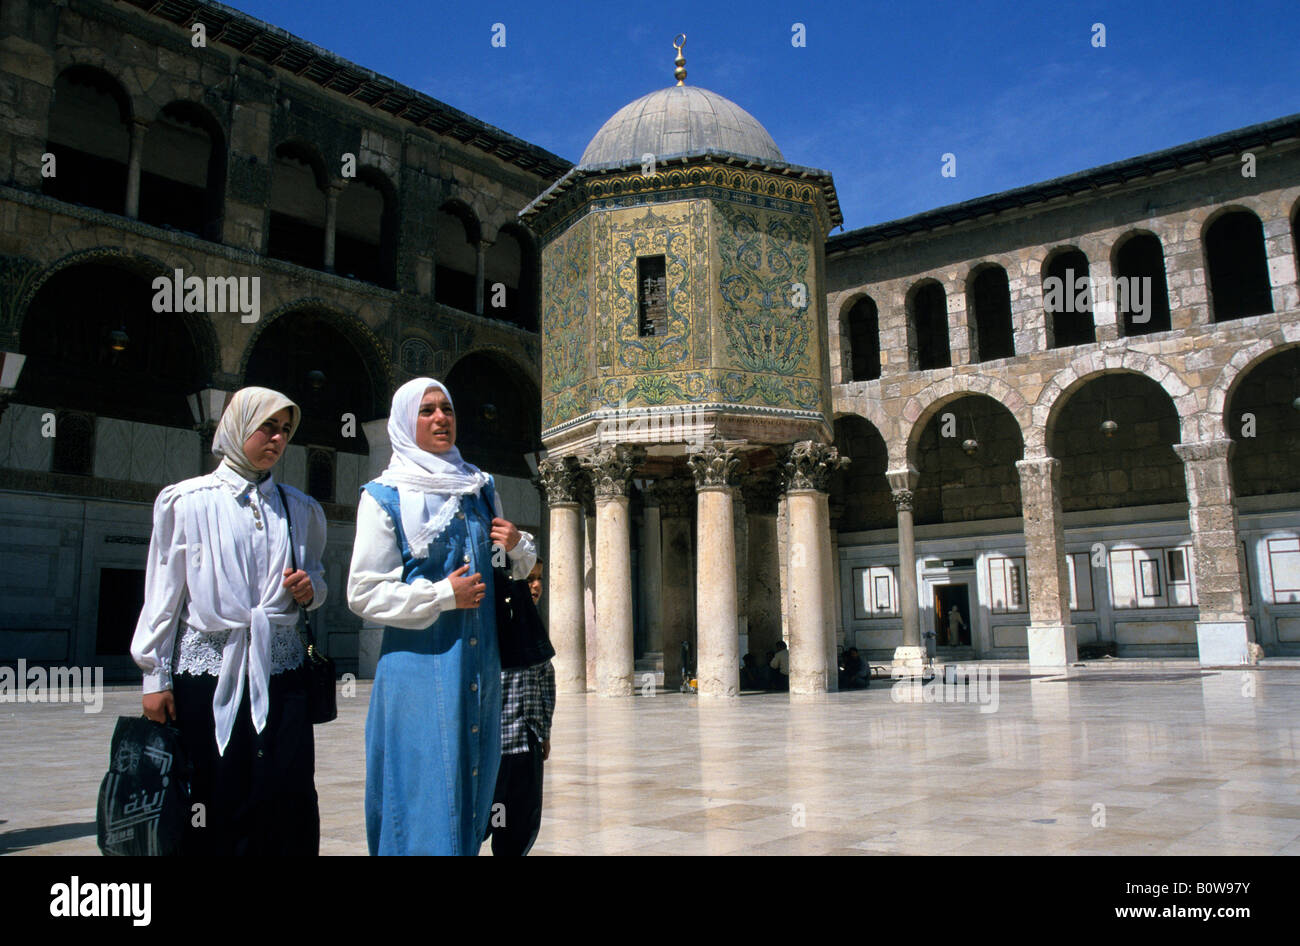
903	499
761	491
611	469
714	466
808	465
675	495
561	478
1204	450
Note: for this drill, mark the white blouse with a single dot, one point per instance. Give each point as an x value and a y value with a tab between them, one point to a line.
376	590
217	558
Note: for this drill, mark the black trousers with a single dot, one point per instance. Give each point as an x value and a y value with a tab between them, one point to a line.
517	804
260	796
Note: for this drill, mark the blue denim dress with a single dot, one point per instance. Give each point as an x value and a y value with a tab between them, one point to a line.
433	734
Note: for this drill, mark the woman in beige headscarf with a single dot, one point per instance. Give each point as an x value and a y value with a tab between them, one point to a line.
217	638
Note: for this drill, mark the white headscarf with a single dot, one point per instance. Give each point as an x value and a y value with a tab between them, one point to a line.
249	409
429	485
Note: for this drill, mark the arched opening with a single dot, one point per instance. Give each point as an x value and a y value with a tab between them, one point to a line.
1067	299
967	457
1142	301
94	344
927	315
1129	464
862	489
298	183
990	298
497	414
90	138
862	324
183	171
456	239
1263	419
1237	266
509	270
322	366
365	236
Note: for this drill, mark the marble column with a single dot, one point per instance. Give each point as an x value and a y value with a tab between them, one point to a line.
1053	641
763	604
135	157
611	471
675	496
835	627
808	467
909	657
560	478
716	612
331	223
588	500
1224	630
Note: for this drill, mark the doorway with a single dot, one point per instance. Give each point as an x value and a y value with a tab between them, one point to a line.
952	615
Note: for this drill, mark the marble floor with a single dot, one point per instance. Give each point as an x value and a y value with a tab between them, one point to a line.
1110	758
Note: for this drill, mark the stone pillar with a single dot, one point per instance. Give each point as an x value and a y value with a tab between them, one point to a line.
1224	631
763	604
480	254
652	579
560	478
370	639
589	577
808	468
909	657
611	472
740	538
716	611
1053	641
835	630
134	158
676	600
331	223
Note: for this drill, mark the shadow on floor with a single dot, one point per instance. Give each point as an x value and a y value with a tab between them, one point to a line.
12	841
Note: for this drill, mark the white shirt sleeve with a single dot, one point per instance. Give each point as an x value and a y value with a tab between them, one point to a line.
376	590
164	595
524	555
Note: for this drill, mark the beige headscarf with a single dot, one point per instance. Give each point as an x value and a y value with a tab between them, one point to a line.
249	409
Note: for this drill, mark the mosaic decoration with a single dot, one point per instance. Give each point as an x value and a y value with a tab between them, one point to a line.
566	367
651	234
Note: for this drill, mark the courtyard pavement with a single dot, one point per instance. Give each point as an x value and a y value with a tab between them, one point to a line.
1114	757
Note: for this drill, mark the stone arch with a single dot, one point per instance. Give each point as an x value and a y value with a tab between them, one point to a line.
863	491
199	325
1230	375
926	403
1070	325
88	130
195	205
365	233
1160	312
372	350
511	361
929	340
1236	274
987	287
850	358
455	259
90	57
1086	367
512	260
498	409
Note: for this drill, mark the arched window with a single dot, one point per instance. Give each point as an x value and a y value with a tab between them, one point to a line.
1238	266
1141	295
90	139
863	324
366	230
416	358
1067	299
928	318
456	239
509	273
990	299
298	185
183	171
74	443
320	475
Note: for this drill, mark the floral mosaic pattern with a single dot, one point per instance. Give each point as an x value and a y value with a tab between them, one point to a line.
566	303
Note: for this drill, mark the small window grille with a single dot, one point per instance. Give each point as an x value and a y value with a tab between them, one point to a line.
652	296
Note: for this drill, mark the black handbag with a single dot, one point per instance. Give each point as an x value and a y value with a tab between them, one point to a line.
144	798
322	696
521	636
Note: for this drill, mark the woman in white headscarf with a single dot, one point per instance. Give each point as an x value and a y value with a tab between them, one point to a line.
217	638
422	567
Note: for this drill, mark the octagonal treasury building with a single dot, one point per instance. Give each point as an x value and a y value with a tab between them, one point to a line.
1057	421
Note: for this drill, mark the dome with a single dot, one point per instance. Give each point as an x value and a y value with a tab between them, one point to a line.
681	119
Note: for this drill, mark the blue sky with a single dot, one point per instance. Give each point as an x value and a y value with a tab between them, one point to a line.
1015	90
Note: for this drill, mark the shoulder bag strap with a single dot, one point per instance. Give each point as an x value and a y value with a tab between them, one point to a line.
310	637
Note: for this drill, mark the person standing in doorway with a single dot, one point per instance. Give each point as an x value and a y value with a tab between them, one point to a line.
955	626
